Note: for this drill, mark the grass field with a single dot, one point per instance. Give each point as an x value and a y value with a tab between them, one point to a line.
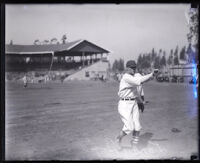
79	120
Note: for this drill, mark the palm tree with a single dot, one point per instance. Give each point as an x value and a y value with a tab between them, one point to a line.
54	40
36	42
64	38
46	41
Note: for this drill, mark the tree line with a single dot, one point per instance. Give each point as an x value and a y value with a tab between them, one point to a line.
51	41
159	59
54	40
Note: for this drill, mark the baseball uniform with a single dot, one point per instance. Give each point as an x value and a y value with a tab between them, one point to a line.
127	106
139	88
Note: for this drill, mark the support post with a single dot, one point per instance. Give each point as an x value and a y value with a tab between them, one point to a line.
83	60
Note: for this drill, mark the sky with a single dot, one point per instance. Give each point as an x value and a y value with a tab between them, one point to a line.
126	30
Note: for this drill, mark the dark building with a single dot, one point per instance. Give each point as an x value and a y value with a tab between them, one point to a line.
53	56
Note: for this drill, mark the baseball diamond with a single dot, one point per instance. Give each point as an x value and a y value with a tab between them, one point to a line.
78	120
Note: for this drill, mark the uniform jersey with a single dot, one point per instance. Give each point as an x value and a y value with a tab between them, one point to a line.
139	88
128	86
128	110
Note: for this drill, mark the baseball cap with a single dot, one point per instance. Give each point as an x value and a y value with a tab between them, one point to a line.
131	64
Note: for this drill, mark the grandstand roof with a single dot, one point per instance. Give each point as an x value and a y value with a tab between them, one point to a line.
75	46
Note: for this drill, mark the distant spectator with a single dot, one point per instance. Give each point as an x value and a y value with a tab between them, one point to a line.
119	76
62	78
25	80
46	78
102	78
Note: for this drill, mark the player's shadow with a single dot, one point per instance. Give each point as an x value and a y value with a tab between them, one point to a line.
144	140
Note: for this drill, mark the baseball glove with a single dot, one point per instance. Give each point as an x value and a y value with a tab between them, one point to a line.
141	106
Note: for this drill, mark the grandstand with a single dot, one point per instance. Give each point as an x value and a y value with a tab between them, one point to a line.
68	57
64	56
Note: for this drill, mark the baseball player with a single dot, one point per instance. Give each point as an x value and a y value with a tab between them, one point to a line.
128	103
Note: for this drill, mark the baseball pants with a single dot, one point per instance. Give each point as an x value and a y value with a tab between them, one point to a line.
129	114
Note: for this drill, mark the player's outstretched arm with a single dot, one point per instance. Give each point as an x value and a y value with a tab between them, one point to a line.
145	78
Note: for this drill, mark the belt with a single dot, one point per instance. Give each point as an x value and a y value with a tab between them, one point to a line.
127	99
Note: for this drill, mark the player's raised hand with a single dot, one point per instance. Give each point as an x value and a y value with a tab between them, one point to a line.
155	71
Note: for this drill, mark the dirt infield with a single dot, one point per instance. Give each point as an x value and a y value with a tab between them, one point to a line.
79	120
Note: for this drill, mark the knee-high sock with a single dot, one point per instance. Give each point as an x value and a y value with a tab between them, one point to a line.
135	137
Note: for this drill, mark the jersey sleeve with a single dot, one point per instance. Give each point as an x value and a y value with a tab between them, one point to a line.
137	80
132	80
146	77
